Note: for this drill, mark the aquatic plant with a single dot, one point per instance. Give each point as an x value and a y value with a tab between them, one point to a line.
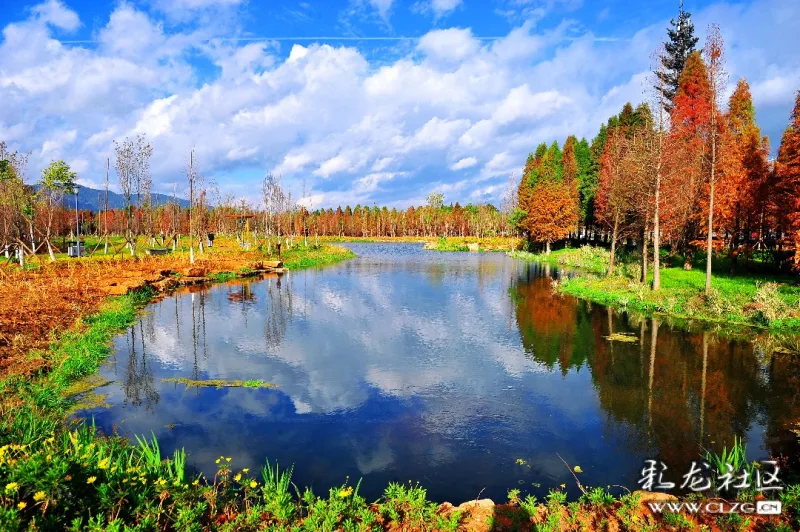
219	383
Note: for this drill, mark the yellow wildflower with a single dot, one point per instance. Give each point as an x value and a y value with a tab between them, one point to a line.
253	483
91	480
114	469
11	486
245	470
103	464
39	495
238	477
22	505
216	461
196	482
346	492
49	457
228	459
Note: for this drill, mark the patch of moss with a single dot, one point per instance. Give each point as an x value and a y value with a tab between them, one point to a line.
622	337
219	383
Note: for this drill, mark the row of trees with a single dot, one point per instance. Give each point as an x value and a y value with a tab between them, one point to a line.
32	216
677	170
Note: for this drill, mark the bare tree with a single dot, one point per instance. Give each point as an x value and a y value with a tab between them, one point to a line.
191	174
132	163
16	202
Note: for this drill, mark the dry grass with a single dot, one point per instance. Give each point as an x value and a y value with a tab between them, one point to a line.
49	297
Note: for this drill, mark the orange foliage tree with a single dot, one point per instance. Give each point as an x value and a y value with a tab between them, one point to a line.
690	119
744	187
551	199
787	171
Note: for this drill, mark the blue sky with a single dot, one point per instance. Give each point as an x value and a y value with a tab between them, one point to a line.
353	101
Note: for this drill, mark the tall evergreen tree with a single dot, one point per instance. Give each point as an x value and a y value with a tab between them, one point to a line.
680	45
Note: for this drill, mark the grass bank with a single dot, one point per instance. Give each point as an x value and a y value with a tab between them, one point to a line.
764	301
453	243
315	255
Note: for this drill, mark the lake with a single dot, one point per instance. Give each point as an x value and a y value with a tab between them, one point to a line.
463	371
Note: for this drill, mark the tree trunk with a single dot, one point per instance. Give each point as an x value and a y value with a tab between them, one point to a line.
547	248
643	276
657	233
709	245
613	245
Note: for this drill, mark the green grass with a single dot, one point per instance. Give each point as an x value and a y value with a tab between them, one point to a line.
219	383
587	258
300	257
753	300
447	244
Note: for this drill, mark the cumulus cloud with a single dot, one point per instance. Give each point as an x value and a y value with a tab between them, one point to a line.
359	127
454	44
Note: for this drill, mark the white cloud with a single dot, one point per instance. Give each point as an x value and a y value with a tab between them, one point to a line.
521	103
382	164
464	163
343	117
56	13
131	33
54	145
776	88
439	8
453	44
500	161
293	162
334	165
371	181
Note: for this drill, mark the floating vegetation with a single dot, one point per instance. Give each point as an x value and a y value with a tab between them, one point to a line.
219	383
91	382
89	401
622	337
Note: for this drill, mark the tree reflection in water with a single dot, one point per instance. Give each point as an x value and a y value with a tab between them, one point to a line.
279	311
693	392
140	390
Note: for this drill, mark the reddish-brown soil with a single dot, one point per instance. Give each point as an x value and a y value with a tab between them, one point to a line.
35	305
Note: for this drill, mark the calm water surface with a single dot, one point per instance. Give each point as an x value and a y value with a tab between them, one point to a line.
442	368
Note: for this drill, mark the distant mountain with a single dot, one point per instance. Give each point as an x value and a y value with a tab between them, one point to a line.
94	199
